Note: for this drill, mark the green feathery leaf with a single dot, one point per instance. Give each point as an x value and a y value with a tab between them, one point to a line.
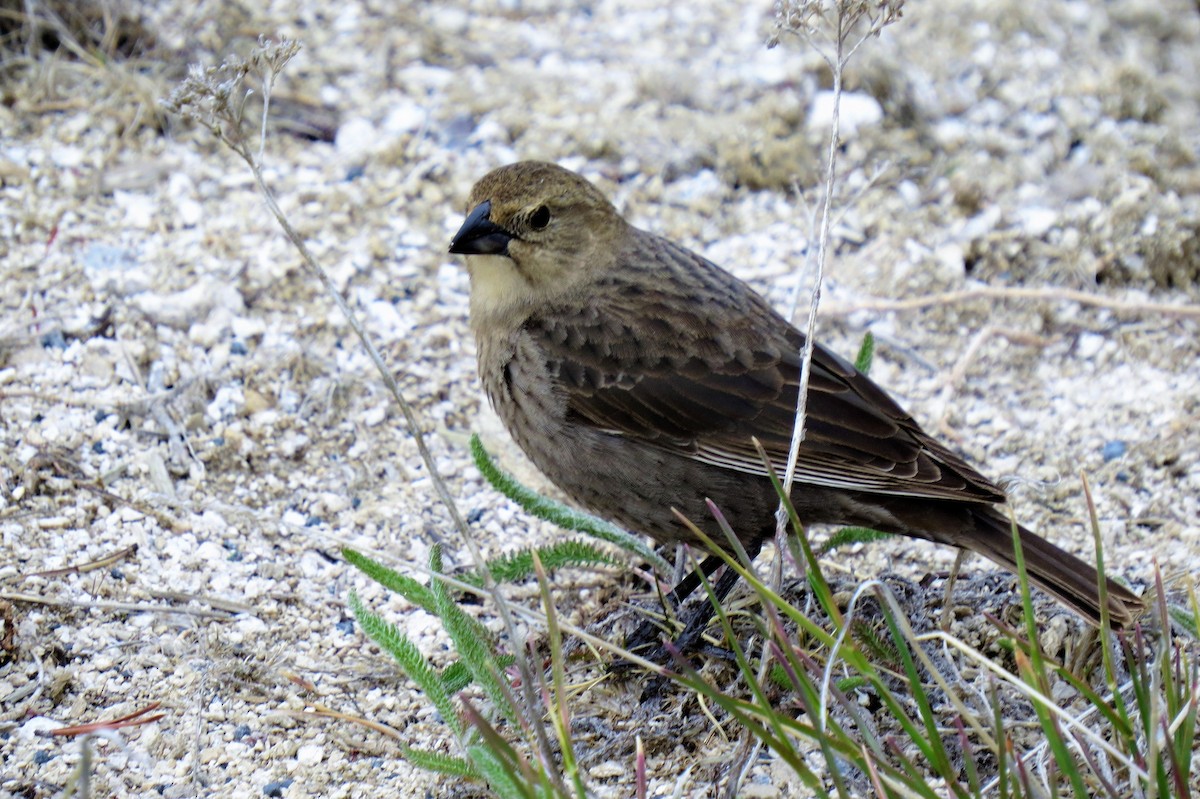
409	659
560	514
866	354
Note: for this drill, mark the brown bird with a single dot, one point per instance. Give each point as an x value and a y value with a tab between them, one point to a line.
634	373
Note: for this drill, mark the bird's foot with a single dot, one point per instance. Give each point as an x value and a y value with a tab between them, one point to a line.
648	643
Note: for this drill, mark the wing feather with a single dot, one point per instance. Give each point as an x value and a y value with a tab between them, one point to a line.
735	374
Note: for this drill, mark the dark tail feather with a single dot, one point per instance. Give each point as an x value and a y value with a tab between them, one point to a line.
1071	580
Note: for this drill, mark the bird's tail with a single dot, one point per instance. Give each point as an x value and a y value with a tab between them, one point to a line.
1071	580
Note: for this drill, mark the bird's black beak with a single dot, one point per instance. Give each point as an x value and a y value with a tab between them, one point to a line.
479	235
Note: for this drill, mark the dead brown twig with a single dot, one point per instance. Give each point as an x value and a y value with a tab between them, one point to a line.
99	563
64	466
134	719
953	380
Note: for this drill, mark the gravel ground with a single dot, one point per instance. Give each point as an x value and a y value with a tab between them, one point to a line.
1018	225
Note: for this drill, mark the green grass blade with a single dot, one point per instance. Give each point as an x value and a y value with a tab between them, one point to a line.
499	775
557	706
456	676
851	535
1065	761
820	587
931	743
506	770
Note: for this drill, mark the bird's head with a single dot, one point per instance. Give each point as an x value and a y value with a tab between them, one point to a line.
534	231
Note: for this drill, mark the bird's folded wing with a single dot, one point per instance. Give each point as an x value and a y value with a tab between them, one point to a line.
618	374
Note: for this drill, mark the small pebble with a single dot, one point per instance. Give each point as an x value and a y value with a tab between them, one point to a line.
54	340
276	788
310	754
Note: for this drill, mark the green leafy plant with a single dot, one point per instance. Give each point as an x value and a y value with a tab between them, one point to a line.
485	752
479	661
878	704
558	513
1133	735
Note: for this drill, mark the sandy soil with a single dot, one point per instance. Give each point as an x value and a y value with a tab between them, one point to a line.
171	380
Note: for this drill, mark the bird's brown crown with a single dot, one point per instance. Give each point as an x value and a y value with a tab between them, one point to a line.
510	188
534	232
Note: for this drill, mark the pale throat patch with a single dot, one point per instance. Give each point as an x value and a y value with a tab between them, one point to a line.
497	288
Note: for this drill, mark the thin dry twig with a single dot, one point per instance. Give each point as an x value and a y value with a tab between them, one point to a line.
828	28
320	711
67	468
134	719
122	607
951	382
99	563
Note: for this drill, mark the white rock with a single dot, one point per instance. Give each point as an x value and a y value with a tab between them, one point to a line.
310	754
384	319
686	191
951	132
292	443
980	225
227	404
67	156
213	522
248	326
211	552
333	503
1090	345
356	139
188	212
37	726
139	208
910	193
373	416
250	625
115	270
857	109
184	308
405	117
1036	222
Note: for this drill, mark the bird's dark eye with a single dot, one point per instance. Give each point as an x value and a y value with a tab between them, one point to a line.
540	218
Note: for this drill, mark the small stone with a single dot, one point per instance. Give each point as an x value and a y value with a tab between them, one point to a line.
356	139
1089	345
1036	222
857	109
310	754
114	270
276	788
1113	450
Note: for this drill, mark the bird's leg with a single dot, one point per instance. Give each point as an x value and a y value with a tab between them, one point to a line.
649	634
702	613
684	588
